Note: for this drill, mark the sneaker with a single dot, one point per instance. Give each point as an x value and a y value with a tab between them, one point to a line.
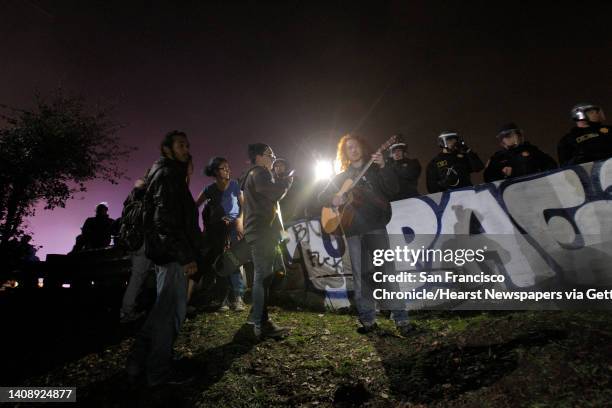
237	305
273	330
224	306
367	328
248	333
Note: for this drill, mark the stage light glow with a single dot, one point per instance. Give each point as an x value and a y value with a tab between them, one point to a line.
66	285
323	170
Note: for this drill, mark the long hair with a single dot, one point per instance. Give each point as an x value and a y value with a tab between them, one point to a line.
341	155
168	140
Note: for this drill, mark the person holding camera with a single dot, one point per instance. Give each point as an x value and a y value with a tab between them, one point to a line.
261	231
453	166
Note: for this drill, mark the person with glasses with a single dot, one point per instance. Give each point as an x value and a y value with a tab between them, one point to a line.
222	227
262	233
589	140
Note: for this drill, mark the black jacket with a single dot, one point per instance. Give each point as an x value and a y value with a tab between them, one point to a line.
261	195
524	159
408	172
583	145
171	226
452	170
371	197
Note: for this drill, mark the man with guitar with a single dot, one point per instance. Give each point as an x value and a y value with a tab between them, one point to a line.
357	205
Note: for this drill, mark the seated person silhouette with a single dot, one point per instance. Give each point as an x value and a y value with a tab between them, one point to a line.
96	231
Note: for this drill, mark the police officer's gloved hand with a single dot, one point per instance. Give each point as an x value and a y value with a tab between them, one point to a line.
464	148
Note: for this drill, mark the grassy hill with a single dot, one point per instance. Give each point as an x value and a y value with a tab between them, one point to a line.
467	359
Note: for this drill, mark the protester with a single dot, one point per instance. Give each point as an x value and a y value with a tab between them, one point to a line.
172	240
366	232
262	232
131	236
223	227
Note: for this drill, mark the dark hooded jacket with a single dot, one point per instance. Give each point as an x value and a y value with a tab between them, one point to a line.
171	226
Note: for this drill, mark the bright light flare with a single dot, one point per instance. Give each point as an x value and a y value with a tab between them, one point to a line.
324	170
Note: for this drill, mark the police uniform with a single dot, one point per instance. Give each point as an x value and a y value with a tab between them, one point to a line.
408	172
583	145
524	159
452	170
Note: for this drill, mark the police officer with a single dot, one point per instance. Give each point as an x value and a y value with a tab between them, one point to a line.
407	170
517	158
589	140
452	167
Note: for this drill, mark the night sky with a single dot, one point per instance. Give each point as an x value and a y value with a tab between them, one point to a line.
299	74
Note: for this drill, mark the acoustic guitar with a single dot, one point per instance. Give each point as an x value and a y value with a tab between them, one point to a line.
334	218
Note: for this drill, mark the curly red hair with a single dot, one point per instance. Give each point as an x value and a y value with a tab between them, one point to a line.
341	155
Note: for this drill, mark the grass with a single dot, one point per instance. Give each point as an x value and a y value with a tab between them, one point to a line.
470	359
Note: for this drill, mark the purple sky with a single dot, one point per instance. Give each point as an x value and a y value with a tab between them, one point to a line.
297	75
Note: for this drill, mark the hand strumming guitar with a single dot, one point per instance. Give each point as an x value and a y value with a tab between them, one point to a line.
339	200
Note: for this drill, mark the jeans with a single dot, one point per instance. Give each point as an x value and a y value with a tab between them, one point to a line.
360	251
140	267
263	252
152	350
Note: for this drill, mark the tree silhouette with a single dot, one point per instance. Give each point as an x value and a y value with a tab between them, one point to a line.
48	153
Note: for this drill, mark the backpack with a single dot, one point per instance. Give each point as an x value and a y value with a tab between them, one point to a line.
131	233
213	212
